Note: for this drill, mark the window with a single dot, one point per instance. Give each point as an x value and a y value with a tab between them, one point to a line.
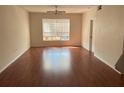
56	29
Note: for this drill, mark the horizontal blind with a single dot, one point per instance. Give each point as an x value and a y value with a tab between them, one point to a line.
56	29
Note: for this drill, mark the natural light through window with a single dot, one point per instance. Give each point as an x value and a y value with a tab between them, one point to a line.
56	29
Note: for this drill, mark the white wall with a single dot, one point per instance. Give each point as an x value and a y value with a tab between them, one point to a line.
14	34
108	33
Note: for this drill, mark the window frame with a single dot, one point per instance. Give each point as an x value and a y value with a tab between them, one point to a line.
57	40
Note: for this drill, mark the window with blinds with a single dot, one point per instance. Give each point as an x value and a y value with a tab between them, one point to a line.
56	29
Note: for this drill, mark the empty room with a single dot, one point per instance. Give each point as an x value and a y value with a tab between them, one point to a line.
61	46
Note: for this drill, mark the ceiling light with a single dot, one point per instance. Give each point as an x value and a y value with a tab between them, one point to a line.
56	11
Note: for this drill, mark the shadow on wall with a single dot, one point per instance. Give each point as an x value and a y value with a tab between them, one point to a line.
120	64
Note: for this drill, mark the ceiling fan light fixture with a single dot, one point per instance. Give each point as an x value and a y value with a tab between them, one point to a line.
56	12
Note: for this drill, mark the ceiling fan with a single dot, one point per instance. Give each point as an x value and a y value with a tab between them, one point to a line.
56	11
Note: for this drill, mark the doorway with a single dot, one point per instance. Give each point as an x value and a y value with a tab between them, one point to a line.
91	36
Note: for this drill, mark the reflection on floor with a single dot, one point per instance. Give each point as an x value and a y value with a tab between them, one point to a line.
56	60
59	66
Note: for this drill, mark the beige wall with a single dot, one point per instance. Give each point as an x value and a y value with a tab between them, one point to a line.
36	30
86	17
14	34
108	33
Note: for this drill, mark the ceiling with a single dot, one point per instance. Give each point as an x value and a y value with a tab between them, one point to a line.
67	8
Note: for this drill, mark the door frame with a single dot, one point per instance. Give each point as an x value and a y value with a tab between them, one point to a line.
91	36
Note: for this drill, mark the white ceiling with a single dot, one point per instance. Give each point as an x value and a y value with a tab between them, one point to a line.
67	8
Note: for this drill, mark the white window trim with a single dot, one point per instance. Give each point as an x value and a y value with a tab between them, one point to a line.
56	40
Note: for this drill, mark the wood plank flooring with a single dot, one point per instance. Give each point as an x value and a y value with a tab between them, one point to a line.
59	67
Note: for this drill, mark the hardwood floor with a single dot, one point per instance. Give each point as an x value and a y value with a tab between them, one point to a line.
59	67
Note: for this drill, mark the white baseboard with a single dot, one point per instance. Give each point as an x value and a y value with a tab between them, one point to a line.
85	47
103	61
107	64
13	60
